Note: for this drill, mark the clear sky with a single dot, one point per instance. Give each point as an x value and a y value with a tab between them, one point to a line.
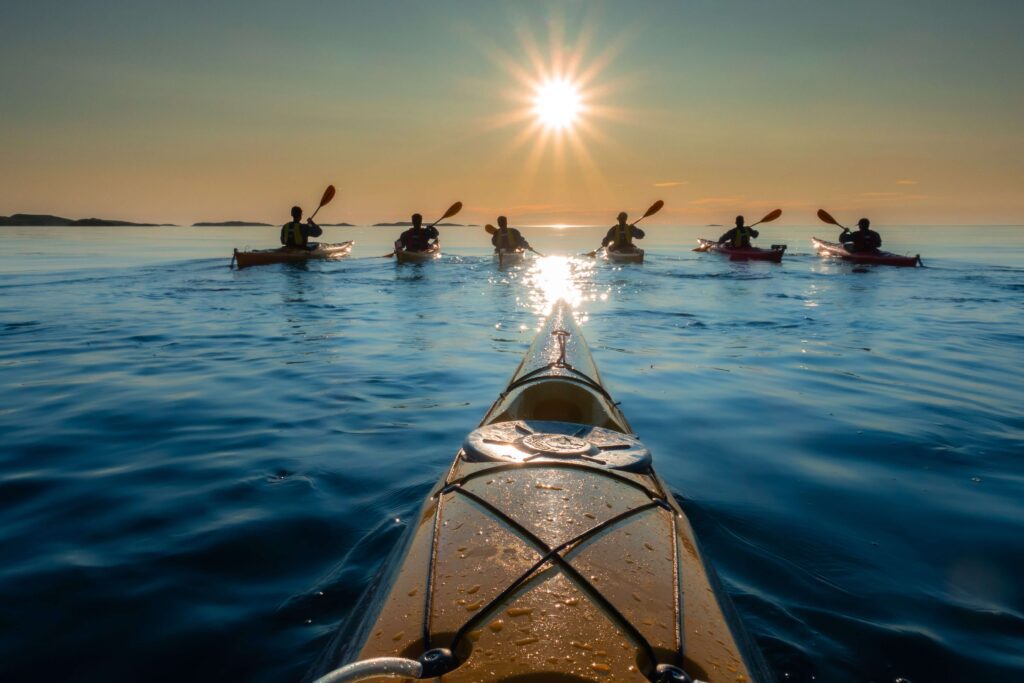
908	111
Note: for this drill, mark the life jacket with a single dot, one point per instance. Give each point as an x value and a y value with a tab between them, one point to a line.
741	237
416	240
293	236
507	240
622	236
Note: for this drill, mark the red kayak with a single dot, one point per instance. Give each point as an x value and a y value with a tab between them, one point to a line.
744	253
881	258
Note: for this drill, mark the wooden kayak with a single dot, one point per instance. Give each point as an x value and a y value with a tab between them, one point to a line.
881	258
635	255
773	255
549	552
260	257
406	256
509	257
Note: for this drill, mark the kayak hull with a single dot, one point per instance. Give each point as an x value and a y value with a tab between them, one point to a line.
261	257
552	515
509	257
773	255
632	256
882	258
406	256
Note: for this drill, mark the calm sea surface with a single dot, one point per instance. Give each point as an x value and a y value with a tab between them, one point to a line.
202	468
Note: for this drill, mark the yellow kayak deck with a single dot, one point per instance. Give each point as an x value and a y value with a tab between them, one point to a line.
551	551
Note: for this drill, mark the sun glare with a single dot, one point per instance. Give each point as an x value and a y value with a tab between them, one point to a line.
556	104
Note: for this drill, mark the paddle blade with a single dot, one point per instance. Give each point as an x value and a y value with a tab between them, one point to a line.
772	216
824	216
655	208
490	228
452	210
328	195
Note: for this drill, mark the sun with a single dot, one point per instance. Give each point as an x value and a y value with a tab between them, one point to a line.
556	103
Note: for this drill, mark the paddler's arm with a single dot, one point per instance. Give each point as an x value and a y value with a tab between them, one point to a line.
311	229
520	239
638	233
609	238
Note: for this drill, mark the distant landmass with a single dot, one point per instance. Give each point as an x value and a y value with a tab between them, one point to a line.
405	224
337	225
714	225
35	219
228	224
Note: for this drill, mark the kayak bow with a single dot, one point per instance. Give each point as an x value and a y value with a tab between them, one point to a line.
551	552
635	255
881	258
406	256
744	253
509	257
262	257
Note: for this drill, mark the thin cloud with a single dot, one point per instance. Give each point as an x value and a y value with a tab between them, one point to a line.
715	201
906	182
672	183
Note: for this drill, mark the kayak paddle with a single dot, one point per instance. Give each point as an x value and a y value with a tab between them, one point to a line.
452	210
767	219
493	230
827	218
324	200
655	208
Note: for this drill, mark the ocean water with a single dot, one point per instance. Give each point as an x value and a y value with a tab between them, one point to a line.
202	468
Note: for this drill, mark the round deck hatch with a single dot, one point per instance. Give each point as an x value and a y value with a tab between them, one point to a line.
542	440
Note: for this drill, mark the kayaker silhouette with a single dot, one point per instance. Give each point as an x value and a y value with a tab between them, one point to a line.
864	240
296	234
739	236
620	237
508	239
417	238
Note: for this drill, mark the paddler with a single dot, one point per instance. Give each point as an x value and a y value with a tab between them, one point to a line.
508	239
620	237
739	237
864	240
417	238
296	234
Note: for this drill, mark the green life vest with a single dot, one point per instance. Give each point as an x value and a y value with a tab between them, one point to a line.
623	236
507	240
741	236
293	236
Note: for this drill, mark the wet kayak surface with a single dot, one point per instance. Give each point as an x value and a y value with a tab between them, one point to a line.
204	468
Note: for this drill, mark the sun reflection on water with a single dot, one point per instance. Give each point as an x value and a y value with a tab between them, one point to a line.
551	278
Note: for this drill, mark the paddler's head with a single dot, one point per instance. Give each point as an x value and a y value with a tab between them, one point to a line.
622	218
503	222
296	213
739	221
863	224
417	221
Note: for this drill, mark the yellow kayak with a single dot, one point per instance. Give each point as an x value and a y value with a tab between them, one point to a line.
509	257
260	257
635	255
406	256
549	552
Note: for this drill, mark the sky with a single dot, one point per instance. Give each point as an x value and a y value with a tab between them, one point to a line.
909	111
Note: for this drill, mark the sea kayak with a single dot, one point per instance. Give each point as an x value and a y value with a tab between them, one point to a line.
744	253
549	551
509	257
635	255
406	256
262	257
881	258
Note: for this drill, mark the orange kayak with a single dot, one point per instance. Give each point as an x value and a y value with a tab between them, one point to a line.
549	551
261	257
